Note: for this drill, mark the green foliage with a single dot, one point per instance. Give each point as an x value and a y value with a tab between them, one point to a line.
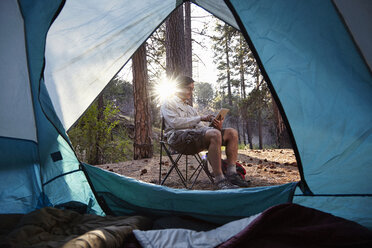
120	93
92	135
203	94
257	102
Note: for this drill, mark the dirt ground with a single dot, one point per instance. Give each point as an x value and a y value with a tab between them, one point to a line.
263	167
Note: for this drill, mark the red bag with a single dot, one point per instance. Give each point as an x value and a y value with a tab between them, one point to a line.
239	168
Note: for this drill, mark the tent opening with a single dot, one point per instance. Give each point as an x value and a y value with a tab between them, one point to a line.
226	75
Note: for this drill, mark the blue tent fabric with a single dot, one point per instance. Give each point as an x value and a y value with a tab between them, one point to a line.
28	166
312	64
325	89
125	195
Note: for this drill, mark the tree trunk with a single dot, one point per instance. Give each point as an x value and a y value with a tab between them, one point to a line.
282	137
238	129
175	44
188	43
249	134
259	129
142	119
244	132
227	43
241	69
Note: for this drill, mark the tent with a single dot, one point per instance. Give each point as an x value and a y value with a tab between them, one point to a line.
57	56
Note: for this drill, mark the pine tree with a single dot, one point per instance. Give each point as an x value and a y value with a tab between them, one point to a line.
175	43
222	47
188	40
142	119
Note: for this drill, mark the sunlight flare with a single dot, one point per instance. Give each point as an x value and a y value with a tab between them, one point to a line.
165	89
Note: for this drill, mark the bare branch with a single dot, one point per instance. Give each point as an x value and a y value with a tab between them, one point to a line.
155	60
202	34
199	59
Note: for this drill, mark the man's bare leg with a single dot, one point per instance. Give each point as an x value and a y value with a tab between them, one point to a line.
231	139
214	141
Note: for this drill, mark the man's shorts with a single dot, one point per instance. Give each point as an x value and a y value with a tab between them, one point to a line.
189	141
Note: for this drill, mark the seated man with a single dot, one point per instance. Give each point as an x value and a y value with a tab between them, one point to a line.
187	135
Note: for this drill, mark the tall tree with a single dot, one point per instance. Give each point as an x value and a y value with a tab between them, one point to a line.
244	61
142	119
203	93
175	43
223	52
188	41
282	137
247	116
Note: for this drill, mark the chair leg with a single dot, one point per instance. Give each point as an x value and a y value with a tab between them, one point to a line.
196	177
202	166
174	166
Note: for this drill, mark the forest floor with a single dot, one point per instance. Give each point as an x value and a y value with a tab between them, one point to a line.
263	167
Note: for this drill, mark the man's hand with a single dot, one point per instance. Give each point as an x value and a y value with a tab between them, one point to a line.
217	123
207	118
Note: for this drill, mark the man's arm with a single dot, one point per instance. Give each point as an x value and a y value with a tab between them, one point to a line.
174	120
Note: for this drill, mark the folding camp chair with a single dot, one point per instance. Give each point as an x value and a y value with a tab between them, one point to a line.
202	163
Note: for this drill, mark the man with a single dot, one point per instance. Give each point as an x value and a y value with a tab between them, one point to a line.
187	135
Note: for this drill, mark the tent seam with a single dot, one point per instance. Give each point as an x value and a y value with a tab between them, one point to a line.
32	95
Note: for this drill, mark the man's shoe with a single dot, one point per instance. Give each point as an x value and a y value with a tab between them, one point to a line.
225	184
237	180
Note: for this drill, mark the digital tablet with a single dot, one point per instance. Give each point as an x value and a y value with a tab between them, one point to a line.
221	114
